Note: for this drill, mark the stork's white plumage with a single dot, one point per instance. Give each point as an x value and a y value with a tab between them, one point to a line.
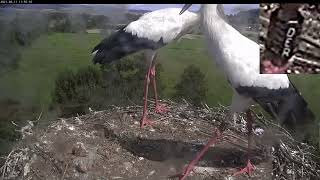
235	54
239	59
163	23
150	32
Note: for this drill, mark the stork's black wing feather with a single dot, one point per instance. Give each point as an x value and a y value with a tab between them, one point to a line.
120	44
286	105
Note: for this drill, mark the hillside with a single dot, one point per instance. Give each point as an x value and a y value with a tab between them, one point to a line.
121	13
248	20
110	145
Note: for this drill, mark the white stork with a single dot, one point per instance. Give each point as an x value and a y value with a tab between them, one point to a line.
149	33
238	58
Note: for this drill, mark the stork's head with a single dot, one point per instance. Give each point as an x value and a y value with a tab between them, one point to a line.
184	8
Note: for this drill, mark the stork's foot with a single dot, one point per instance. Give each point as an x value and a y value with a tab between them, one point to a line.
161	108
269	68
145	121
248	169
217	135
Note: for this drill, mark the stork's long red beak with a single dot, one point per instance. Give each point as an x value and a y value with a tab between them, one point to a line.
185	7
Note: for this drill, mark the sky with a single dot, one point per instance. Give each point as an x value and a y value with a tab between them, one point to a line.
228	8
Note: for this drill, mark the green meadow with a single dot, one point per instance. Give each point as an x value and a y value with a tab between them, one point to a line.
50	54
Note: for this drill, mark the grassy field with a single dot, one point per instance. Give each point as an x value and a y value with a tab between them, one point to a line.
33	81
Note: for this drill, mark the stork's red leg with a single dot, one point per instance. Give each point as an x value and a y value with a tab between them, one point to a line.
249	168
145	121
160	108
212	141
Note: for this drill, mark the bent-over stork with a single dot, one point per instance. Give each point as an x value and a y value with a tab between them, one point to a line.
238	58
149	33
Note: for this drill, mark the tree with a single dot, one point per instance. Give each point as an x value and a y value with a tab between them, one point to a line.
77	23
74	93
192	86
28	26
120	83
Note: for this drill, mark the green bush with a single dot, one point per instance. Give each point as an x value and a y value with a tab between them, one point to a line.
13	111
120	83
18	29
98	21
125	80
74	92
192	86
28	26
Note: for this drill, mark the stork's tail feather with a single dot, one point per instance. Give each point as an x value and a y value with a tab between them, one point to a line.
293	112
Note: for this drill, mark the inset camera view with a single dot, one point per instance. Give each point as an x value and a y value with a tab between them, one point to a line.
290	38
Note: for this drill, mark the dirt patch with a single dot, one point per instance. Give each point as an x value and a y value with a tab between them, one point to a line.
110	145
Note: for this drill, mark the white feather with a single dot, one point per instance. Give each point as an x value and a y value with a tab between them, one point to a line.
237	55
165	23
94	53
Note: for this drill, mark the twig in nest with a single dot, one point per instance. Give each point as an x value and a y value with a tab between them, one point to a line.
15	164
236	137
130	111
151	101
186	102
4	167
169	101
133	102
64	172
161	119
14	123
307	167
38	117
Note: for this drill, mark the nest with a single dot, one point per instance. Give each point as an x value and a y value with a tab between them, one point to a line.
290	159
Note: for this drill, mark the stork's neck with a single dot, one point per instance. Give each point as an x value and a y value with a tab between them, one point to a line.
215	24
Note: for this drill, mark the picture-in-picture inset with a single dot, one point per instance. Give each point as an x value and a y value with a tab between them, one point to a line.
290	38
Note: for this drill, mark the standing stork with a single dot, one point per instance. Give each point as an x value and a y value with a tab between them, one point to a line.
149	33
238	58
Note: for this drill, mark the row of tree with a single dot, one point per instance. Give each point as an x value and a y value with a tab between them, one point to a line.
67	22
249	18
21	28
119	84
